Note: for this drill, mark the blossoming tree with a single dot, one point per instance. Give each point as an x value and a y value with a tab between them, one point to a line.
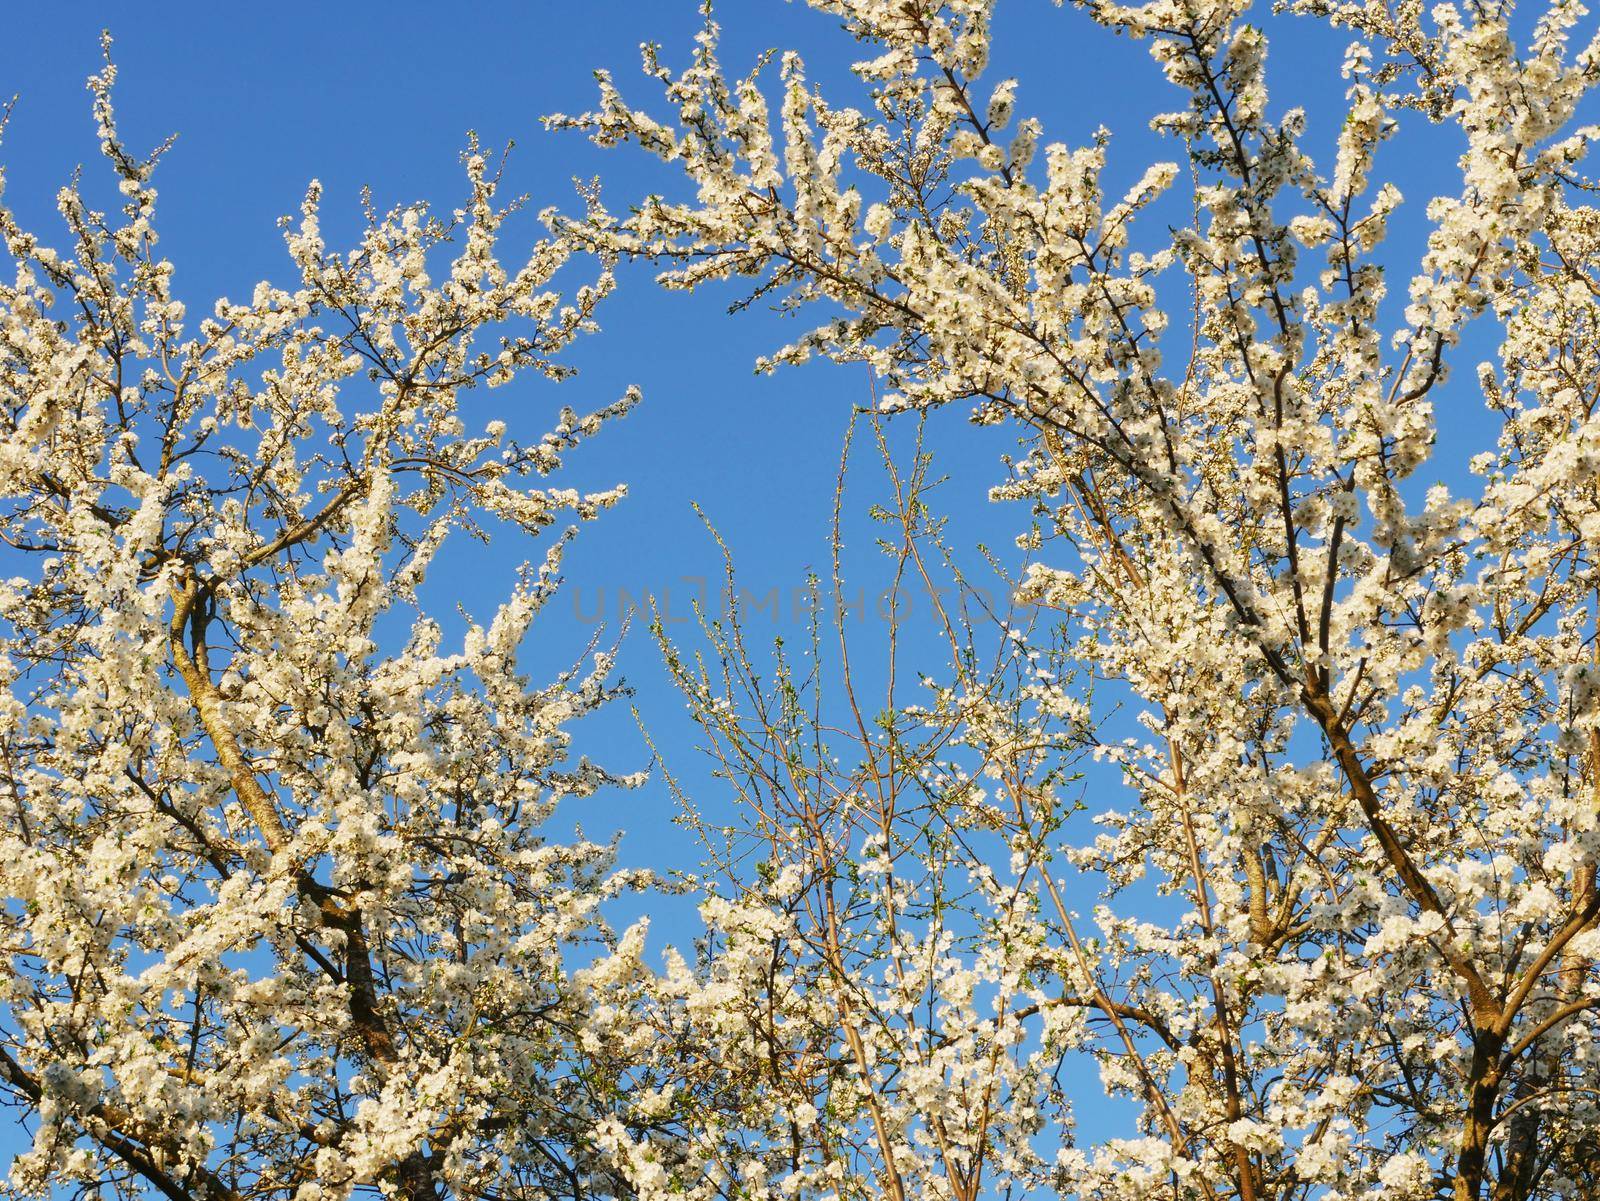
280	920
1348	943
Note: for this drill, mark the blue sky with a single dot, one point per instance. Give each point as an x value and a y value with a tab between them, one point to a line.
265	97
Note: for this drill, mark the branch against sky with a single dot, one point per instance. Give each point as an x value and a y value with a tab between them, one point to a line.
1370	764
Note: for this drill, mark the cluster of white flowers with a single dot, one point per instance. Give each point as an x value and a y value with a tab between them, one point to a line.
281	920
1366	801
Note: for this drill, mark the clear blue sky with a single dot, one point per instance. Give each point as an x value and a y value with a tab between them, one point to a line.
265	97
